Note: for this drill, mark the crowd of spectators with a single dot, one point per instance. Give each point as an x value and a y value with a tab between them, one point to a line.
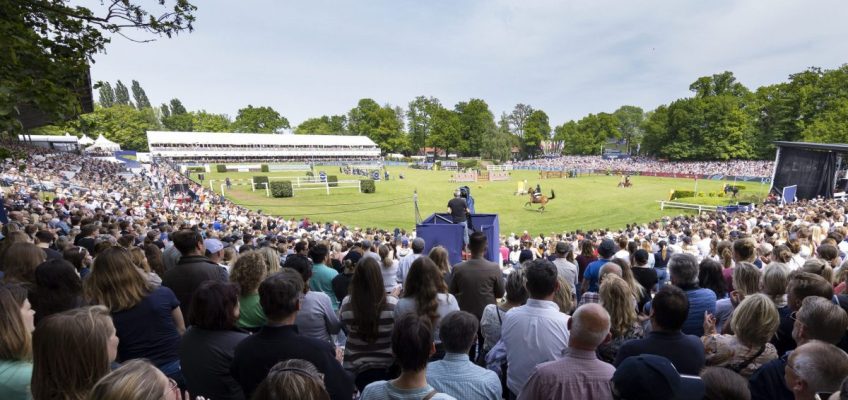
144	285
644	165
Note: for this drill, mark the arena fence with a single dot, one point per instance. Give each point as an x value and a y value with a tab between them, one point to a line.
342	184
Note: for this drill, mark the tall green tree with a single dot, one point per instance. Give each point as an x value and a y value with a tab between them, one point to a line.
323	125
177	107
536	129
165	110
122	95
655	128
259	120
476	122
446	130
498	145
47	47
107	95
202	121
518	118
630	120
179	122
139	96
419	115
379	123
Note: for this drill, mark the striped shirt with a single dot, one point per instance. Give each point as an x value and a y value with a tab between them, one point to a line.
457	376
360	355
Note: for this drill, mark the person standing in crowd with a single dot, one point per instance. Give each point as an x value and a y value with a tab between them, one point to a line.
406	263
564	263
57	288
458	209
206	350
389	268
455	374
440	256
16	325
587	255
591	278
535	332
817	319
493	314
801	285
412	345
280	296
321	279
650	376
316	317
248	272
617	299
578	374
292	380
753	324
747	280
477	283
215	252
643	273
815	367
683	269
425	294
661	259
669	311
192	269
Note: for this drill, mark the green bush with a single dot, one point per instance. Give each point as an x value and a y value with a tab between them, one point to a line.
333	180
221	168
467	163
195	169
676	194
264	167
260	179
310	174
367	186
281	189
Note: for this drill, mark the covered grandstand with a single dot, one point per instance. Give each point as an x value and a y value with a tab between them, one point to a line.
245	147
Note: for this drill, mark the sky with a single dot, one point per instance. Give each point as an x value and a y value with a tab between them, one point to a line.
568	58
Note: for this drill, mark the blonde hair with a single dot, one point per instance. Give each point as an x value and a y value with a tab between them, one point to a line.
440	255
114	282
819	267
385	256
563	297
139	259
293	379
134	380
755	320
272	259
617	300
249	271
746	278
775	279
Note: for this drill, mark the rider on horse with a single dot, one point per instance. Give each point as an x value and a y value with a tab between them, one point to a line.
537	192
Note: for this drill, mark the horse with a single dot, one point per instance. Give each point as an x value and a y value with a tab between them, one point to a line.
542	199
731	189
625	184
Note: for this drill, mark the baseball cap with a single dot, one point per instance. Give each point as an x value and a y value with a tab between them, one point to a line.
213	245
649	376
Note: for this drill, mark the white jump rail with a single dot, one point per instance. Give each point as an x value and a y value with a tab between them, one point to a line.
686	206
342	184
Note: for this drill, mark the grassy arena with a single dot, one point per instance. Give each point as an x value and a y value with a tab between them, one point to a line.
581	203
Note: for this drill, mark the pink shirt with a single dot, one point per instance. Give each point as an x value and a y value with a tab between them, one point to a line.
577	375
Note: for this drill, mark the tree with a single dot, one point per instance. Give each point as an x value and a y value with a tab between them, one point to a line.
202	121
122	95
122	124
140	97
107	95
419	116
258	120
48	45
476	122
177	107
324	125
829	126
718	85
179	122
380	124
630	120
536	129
498	145
165	110
655	127
518	118
445	132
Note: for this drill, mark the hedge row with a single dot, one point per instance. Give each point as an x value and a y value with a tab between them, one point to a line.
221	168
677	194
260	179
264	167
467	163
281	189
309	173
367	186
195	169
333	180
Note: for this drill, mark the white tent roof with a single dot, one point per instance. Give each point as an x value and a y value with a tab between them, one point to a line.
106	144
48	138
85	140
157	137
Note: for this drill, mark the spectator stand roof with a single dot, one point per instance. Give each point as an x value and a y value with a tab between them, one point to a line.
48	138
224	138
835	147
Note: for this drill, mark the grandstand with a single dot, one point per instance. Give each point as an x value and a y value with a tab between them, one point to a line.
245	147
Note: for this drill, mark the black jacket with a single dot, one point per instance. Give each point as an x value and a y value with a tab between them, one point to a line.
187	276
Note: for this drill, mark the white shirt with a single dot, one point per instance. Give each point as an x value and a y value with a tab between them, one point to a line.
403	266
533	333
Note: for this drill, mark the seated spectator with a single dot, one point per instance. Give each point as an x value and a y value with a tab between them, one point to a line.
148	321
57	288
710	276
206	350
321	275
455	374
591	277
724	384
746	281
683	269
493	314
85	339
280	295
816	369
539	320
563	297
426	294
412	345
653	377
644	274
578	374
566	268
292	380
817	319
136	380
341	283
248	272
801	285
669	311
595	297
368	316
316	318
192	269
16	326
617	299
754	323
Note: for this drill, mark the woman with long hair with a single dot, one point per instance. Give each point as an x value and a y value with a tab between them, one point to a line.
140	260
16	326
616	298
207	348
388	268
747	279
154	259
57	288
293	379
136	380
440	256
710	277
79	258
20	261
11	238
248	272
72	350
148	320
586	256
640	294
754	322
661	258
426	294
493	314
564	297
368	316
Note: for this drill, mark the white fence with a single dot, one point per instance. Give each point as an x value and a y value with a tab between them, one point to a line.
342	184
491	168
686	206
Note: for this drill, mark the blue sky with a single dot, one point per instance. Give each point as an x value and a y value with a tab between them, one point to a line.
568	58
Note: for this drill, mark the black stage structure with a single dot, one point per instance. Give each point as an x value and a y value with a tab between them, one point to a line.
816	168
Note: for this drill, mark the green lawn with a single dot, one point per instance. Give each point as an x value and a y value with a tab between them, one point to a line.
581	203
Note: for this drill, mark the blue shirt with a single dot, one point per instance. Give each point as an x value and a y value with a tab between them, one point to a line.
592	272
457	376
384	390
322	281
